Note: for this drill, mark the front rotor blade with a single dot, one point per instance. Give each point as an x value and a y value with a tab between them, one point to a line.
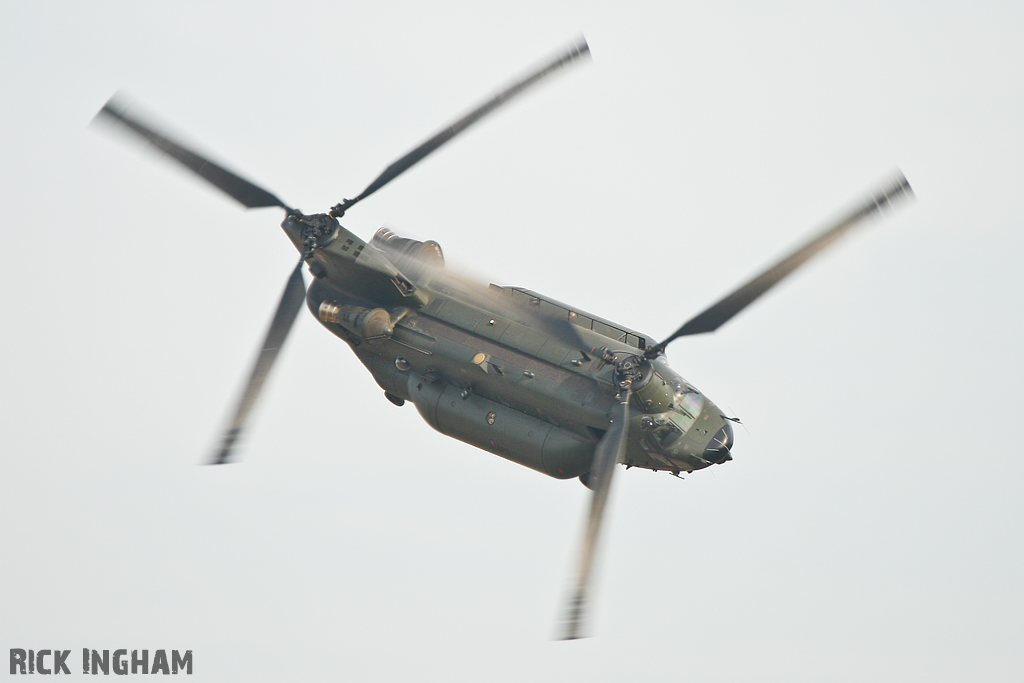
716	315
250	195
609	452
577	52
291	301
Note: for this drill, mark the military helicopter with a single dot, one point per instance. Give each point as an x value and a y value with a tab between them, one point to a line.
505	369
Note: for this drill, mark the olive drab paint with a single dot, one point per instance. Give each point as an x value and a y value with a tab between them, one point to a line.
483	367
507	370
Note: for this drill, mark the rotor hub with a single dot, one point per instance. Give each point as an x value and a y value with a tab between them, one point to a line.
633	370
318	230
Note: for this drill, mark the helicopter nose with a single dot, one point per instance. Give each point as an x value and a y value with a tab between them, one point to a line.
717	450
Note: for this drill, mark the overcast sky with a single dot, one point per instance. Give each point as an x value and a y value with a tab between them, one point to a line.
870	526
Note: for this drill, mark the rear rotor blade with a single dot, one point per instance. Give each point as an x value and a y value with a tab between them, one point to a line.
718	314
291	301
609	452
575	53
248	194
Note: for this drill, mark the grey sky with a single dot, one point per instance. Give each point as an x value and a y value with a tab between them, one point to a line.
870	527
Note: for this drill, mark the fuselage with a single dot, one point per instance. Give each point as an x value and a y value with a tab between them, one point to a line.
478	369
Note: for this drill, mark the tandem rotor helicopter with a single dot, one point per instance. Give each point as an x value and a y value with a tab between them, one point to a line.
504	369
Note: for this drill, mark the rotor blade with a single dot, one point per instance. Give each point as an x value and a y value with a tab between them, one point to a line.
716	315
291	301
245	192
609	452
575	53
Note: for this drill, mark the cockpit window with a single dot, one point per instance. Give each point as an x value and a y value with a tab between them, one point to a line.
667	433
664	432
687	404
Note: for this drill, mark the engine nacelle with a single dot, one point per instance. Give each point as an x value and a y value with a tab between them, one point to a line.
373	325
412	257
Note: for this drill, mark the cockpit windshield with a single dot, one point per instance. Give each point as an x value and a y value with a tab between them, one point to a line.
687	403
665	432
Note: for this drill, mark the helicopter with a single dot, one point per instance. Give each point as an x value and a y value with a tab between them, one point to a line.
510	371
